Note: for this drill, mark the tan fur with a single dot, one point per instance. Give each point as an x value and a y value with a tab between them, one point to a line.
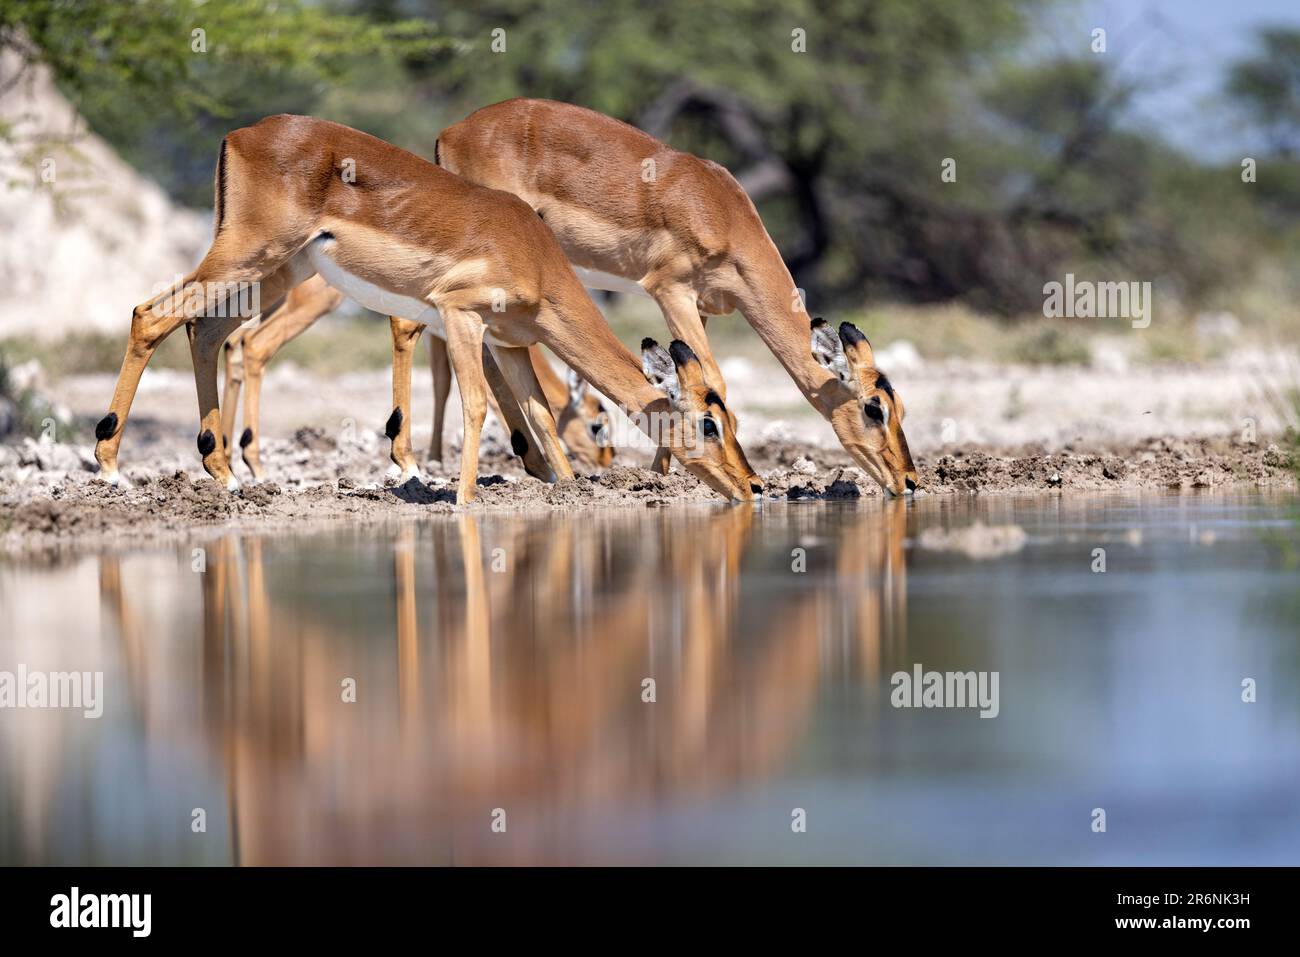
575	419
481	257
252	346
690	237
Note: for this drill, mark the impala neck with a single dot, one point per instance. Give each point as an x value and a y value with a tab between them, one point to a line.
590	348
768	301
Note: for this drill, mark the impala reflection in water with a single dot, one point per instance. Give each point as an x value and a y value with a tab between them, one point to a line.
685	685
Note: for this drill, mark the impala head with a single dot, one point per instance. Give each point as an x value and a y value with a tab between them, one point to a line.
700	431
584	425
870	426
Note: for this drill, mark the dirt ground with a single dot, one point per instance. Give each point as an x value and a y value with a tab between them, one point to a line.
50	495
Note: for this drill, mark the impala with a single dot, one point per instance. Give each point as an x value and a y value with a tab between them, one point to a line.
296	196
635	215
580	418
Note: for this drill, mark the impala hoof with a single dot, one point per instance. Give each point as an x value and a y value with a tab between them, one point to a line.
232	484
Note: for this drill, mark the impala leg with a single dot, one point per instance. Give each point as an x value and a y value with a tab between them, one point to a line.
207	335
254	373
226	266
234	353
522	441
517	367
440	366
206	339
465	349
151	322
406	335
279	326
678	304
505	409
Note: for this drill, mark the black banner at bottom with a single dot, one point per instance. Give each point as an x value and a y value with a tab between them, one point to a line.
334	906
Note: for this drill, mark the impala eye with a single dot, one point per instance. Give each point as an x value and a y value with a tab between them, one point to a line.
709	427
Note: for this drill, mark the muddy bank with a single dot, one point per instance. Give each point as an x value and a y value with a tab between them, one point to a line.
50	495
1187	463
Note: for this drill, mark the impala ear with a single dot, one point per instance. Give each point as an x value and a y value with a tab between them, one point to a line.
577	387
689	370
856	347
660	370
829	352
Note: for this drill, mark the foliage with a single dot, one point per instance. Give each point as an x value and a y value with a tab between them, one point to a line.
1267	85
842	145
165	95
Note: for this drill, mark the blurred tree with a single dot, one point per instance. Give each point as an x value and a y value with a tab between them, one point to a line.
807	103
1267	86
838	117
164	80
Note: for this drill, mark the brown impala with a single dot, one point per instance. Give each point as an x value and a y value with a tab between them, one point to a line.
635	215
580	418
296	196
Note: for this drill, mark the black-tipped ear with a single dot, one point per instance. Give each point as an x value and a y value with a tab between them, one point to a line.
682	353
851	335
829	353
648	343
856	347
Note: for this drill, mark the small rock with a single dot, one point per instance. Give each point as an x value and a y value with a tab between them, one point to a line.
842	484
804	466
841	489
1275	457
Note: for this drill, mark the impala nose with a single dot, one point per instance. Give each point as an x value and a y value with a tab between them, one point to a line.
911	484
756	488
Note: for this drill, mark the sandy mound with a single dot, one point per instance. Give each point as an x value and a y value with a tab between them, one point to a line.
93	243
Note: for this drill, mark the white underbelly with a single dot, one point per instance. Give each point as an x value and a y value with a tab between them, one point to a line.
369	296
608	282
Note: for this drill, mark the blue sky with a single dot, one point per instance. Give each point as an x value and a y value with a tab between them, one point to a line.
1183	47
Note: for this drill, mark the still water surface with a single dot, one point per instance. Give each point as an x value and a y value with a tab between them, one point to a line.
499	665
